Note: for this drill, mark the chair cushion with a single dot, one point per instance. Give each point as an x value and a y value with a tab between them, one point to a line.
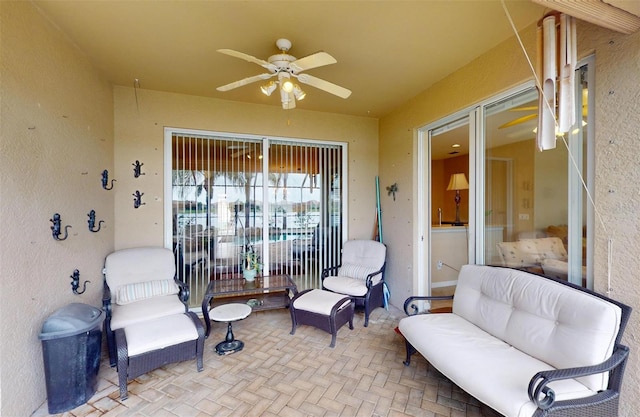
144	310
130	293
157	334
345	285
128	266
364	252
356	271
319	301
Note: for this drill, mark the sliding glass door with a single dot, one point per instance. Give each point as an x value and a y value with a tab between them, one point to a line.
228	195
516	206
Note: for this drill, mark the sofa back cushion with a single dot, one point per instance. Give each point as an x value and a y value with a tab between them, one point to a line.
530	252
552	322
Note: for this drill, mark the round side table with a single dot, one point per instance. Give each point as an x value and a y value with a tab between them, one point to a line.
229	313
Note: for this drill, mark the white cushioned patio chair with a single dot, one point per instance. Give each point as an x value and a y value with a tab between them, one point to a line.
140	285
360	274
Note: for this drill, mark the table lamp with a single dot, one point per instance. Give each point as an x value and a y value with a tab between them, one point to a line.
458	182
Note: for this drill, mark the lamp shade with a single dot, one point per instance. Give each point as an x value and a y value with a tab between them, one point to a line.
458	181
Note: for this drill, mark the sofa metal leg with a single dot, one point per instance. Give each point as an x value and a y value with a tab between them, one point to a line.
410	351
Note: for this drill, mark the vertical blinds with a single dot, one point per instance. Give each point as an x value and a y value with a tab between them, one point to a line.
282	199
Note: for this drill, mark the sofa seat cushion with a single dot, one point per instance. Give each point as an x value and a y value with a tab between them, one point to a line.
345	285
558	269
531	252
149	309
495	372
160	333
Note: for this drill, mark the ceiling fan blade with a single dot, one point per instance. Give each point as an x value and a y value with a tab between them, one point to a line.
244	81
324	85
519	120
248	58
316	60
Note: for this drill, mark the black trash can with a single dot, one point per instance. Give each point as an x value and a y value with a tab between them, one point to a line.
71	343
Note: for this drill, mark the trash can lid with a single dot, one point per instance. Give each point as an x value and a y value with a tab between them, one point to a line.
70	320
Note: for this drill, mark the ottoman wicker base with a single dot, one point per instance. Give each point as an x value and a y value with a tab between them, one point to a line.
144	347
325	310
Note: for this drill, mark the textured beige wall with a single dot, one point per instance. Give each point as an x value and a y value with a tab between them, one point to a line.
617	178
617	170
139	135
56	138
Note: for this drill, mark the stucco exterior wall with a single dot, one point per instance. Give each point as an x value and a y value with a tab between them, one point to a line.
617	147
616	195
56	138
139	135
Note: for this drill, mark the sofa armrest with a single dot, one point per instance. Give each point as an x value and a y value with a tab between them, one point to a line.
544	397
408	303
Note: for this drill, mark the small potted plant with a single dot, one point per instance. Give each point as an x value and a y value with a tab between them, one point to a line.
251	265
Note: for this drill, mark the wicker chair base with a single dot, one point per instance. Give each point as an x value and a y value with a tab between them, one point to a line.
329	323
130	367
373	300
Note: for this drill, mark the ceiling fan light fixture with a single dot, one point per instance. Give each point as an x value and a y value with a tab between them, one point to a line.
268	88
298	93
559	134
287	85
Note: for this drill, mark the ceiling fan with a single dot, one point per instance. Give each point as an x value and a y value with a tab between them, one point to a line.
521	119
287	68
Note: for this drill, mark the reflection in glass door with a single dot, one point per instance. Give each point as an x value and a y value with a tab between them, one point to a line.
535	208
228	196
449	185
509	172
516	193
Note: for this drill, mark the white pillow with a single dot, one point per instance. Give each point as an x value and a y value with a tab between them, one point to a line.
130	293
356	271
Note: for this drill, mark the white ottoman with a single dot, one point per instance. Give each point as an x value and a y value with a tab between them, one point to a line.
145	346
325	310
